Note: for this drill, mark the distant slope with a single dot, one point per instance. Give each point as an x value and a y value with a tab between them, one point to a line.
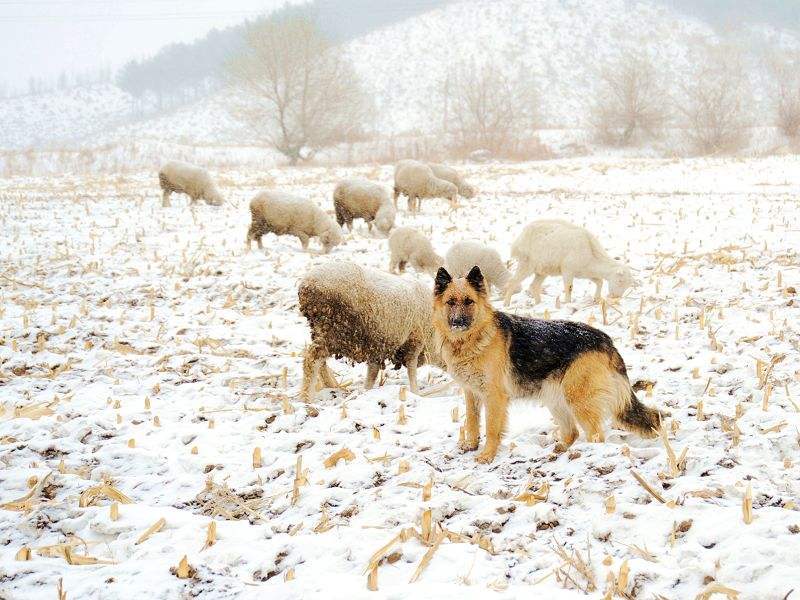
562	44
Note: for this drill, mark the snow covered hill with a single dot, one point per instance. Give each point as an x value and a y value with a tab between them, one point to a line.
561	44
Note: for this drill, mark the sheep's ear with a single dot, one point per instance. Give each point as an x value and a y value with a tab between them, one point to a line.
441	281
475	279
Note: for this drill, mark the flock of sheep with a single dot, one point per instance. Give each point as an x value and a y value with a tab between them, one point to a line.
374	317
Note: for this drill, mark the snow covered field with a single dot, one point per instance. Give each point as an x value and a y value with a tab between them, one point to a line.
145	359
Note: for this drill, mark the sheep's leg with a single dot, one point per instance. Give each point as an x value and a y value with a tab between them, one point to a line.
412	361
401	266
568	279
313	362
396	196
165	203
303	240
328	379
515	284
372	375
535	289
599	290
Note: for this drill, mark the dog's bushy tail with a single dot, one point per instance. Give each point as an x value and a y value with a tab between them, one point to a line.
640	418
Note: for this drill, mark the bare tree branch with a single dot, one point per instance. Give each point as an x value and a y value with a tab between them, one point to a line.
295	88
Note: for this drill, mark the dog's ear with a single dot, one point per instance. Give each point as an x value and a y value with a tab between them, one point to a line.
441	282
475	279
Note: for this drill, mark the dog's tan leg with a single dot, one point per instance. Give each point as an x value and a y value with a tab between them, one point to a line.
586	384
472	426
495	413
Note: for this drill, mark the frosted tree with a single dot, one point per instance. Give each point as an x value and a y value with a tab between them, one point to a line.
295	88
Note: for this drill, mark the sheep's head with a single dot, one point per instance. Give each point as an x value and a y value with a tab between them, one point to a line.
439	188
213	197
465	190
331	237
433	263
384	218
619	281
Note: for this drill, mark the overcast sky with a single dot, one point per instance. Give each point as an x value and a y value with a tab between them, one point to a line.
45	37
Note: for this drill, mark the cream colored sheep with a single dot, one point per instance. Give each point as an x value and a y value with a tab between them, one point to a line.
367	316
555	247
195	182
441	171
362	199
283	214
409	246
417	181
461	257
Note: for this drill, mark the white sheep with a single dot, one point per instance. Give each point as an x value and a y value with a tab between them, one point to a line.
554	247
441	171
284	214
409	246
181	177
362	199
462	256
366	316
417	181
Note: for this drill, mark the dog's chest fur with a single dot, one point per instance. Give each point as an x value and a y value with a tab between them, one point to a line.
468	361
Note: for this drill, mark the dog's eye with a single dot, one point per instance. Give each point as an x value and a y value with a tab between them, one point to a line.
451	302
468	301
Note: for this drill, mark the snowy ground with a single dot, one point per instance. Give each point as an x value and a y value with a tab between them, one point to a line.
143	350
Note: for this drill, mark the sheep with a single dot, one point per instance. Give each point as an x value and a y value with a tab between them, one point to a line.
461	257
407	245
441	171
366	316
555	247
284	214
416	180
362	199
181	177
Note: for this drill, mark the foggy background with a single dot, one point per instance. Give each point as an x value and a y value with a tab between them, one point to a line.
104	86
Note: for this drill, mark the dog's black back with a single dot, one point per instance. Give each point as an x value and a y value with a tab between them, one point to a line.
539	349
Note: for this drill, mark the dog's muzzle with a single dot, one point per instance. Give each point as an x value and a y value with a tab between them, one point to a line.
460	323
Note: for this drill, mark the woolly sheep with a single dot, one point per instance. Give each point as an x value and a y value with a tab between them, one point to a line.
461	257
284	214
407	245
362	199
555	247
465	190
366	316
181	177
416	180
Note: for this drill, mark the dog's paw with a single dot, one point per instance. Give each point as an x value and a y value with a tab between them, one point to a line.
485	457
560	448
467	445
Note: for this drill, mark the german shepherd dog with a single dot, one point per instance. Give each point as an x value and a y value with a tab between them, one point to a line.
571	368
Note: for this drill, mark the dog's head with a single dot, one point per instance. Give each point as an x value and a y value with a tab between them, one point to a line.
460	305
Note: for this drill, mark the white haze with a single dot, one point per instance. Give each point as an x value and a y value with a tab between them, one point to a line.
43	38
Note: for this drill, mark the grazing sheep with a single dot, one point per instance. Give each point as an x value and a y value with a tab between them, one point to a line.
555	247
367	316
417	181
465	190
181	177
461	257
284	214
362	199
407	245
